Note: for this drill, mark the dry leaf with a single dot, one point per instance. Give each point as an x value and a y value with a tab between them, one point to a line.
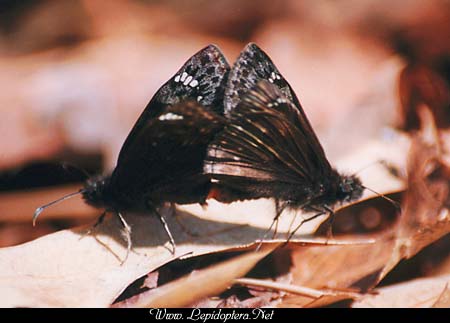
338	267
65	270
199	284
265	292
425	216
424	220
416	293
444	299
420	85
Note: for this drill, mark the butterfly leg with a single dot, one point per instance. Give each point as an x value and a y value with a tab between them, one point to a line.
278	210
329	222
291	224
291	234
305	220
166	228
126	232
97	223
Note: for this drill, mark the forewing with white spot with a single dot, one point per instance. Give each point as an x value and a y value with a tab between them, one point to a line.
252	66
202	78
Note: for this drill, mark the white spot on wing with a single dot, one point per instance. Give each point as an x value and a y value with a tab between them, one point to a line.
170	116
273	76
188	80
183	77
194	83
177	78
199	98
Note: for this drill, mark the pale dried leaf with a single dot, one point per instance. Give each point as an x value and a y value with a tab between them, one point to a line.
64	269
444	299
202	283
338	267
416	293
425	216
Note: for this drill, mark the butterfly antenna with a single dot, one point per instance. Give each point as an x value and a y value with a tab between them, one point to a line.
395	203
42	208
368	165
66	166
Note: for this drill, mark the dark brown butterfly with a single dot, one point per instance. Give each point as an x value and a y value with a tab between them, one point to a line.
162	157
268	148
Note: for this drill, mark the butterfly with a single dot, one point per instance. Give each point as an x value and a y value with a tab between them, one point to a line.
161	160
268	148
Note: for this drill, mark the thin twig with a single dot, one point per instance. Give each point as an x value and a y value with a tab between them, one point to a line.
295	289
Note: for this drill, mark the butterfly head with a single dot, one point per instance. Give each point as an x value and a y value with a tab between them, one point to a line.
350	188
96	191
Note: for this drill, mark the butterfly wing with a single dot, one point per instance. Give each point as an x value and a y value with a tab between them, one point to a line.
201	78
252	66
162	157
167	165
266	150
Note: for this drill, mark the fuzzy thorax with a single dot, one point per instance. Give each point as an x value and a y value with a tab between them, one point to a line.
97	193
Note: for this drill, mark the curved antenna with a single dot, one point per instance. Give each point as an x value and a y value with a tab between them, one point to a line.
42	208
395	203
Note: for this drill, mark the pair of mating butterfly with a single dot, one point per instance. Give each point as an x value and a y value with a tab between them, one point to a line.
231	134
